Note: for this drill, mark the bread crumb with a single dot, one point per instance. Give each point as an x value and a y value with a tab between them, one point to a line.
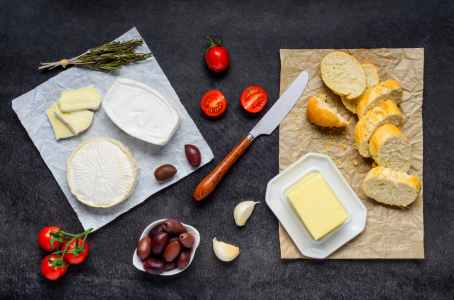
355	162
298	108
296	115
350	167
374	165
345	148
348	159
361	167
335	143
327	148
339	162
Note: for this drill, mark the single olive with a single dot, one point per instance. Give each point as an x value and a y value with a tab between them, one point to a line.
193	155
154	266
173	227
159	242
170	265
183	258
155	230
144	248
172	250
164	172
187	240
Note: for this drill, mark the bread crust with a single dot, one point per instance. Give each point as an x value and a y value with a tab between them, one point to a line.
322	115
360	80
373	119
389	89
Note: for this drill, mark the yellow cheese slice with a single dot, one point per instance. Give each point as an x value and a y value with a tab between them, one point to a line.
317	205
86	98
60	129
78	121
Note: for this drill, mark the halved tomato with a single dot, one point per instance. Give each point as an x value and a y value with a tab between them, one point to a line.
213	103
253	99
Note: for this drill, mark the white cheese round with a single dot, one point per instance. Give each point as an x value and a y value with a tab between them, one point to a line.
141	111
102	172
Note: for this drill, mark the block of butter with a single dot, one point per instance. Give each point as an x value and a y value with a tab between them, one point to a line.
317	205
86	98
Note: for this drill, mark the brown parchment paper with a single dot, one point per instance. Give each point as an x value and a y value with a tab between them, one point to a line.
391	232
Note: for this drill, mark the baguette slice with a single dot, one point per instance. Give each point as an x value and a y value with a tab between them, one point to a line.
372	79
387	90
386	113
343	74
390	148
321	114
391	187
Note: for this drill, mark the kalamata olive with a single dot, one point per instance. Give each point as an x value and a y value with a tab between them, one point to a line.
170	265
155	230
172	250
154	266
193	155
186	240
174	239
183	259
144	248
173	227
164	172
159	242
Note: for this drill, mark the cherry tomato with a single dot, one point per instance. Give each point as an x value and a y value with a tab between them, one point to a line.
70	257
253	99
213	103
57	272
45	237
217	57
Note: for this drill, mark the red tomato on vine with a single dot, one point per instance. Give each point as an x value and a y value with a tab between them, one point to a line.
217	57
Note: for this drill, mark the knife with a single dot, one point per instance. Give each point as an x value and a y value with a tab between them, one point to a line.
266	125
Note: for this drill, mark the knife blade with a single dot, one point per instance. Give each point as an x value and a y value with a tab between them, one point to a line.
269	122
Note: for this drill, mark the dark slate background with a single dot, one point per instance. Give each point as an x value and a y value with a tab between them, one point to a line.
30	199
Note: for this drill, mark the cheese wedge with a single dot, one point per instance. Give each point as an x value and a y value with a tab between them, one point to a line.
317	205
102	172
60	129
141	111
78	121
86	98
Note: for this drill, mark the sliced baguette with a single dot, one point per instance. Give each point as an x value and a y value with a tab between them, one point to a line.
321	114
391	187
343	74
390	148
372	79
385	113
387	90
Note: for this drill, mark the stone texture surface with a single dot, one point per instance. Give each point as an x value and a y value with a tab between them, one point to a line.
253	32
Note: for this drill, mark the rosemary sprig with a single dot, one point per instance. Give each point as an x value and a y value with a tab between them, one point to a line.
109	56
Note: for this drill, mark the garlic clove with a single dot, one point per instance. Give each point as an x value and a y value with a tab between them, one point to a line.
243	211
225	252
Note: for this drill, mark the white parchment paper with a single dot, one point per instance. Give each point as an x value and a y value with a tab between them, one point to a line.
31	110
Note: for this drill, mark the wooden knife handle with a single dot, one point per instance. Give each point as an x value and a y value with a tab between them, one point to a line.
211	181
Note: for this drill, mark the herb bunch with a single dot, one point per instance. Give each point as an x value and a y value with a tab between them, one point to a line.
109	56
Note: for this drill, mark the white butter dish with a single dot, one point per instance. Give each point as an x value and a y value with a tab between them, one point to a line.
277	200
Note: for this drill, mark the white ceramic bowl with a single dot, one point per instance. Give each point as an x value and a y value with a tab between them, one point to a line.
138	263
281	206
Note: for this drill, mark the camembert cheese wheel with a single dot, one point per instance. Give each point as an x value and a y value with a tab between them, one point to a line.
102	172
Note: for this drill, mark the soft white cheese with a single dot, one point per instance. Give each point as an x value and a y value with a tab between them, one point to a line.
86	98
78	121
102	172
60	129
141	111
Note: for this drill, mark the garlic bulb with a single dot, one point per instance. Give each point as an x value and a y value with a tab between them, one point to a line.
225	252
243	211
